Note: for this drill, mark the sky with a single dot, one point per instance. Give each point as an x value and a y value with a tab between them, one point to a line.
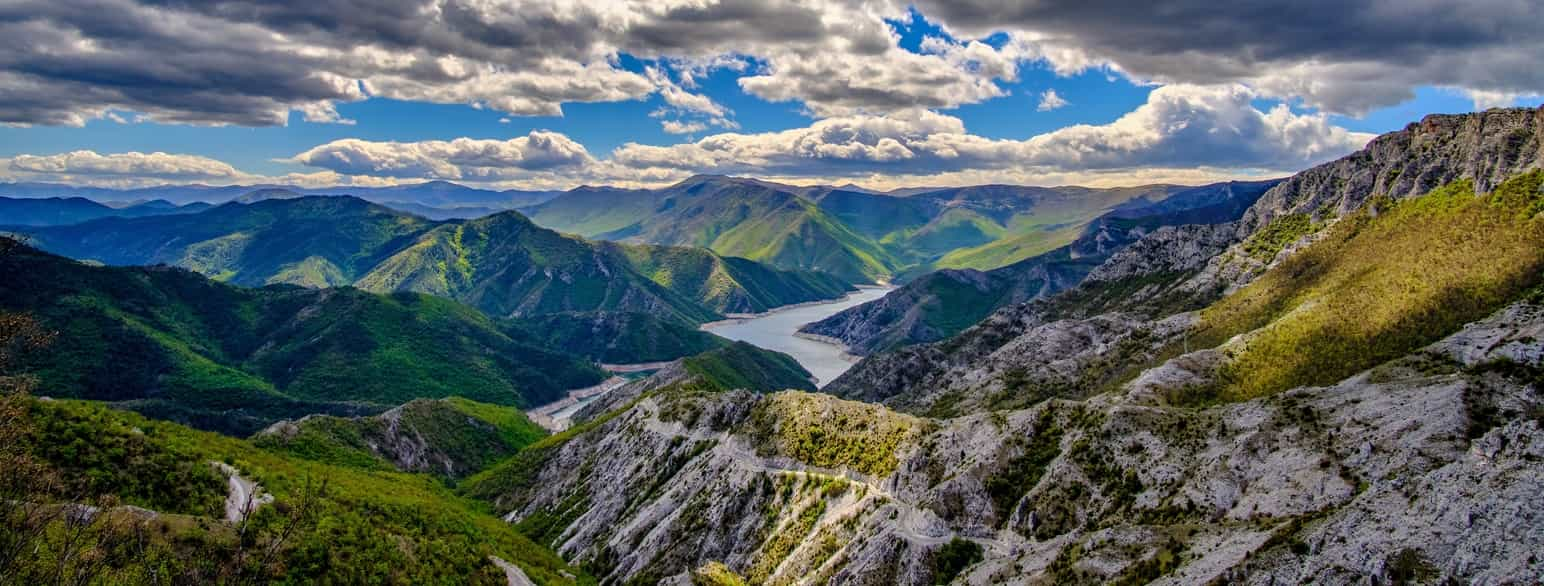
543	94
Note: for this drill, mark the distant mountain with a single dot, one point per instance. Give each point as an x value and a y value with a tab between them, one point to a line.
57	211
175	344
502	264
857	234
735	217
941	304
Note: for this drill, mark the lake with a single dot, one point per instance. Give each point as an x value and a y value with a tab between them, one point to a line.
775	330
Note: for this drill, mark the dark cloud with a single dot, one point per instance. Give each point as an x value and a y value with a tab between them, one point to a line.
1344	55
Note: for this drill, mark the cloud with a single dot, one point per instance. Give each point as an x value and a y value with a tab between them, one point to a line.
1179	126
1050	101
89	164
462	158
677	127
1341	56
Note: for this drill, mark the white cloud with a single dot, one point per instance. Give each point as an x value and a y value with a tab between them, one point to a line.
85	163
1049	100
462	158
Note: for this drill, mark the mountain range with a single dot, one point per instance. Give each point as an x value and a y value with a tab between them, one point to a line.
1333	378
502	263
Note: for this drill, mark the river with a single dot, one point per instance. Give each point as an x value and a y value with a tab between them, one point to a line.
775	330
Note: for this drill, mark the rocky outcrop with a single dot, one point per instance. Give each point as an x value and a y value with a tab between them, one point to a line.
1375	477
1487	147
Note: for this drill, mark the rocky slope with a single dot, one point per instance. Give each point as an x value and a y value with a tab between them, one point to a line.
1370	477
1175	270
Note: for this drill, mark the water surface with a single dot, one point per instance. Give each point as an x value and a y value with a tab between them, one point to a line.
775	330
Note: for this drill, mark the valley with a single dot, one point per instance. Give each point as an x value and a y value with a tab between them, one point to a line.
1329	378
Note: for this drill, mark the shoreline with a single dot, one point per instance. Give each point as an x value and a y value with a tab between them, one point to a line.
734	318
830	341
543	415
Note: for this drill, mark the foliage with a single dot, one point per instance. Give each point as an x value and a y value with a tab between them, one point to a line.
830	433
1022	472
1269	241
1380	284
953	558
620	337
364	526
744	366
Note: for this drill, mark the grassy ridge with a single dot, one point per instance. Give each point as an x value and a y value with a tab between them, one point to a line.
744	366
1381	283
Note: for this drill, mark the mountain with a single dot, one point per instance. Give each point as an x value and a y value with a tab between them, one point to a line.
451	437
940	304
734	217
175	344
859	235
55	211
1333	395
501	264
620	337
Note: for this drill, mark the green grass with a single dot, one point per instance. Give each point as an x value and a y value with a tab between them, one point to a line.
1380	284
744	366
367	527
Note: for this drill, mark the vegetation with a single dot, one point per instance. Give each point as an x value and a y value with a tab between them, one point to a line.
1020	473
744	366
176	345
1380	284
620	337
1265	244
953	558
822	431
452	437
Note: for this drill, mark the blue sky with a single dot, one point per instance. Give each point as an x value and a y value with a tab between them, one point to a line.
949	89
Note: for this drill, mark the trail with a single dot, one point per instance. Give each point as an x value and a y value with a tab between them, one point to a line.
243	497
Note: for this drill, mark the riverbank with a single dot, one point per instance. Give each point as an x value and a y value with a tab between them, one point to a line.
555	416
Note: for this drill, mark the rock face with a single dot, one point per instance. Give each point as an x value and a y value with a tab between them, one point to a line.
943	303
1487	147
1419	466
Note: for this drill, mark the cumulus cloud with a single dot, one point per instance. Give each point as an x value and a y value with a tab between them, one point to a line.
1179	126
462	158
1049	100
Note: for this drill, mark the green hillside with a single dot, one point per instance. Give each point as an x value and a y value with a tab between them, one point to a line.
744	366
1381	283
328	524
502	264
620	337
173	343
727	284
450	437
